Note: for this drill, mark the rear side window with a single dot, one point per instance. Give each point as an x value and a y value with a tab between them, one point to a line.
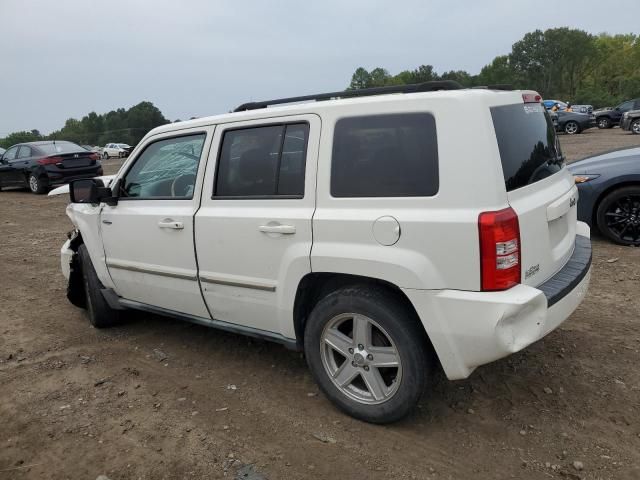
266	161
385	156
529	149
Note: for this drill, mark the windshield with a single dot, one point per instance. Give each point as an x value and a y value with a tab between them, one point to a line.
529	149
60	147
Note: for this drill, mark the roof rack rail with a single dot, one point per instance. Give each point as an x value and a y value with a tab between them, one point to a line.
363	92
497	86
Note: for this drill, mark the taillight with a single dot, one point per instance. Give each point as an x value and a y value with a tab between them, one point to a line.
531	97
499	249
50	160
94	156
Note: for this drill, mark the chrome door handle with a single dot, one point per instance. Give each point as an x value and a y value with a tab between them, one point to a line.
168	223
284	229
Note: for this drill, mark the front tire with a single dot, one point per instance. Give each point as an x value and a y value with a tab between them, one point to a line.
604	122
37	184
368	353
100	314
571	128
105	155
618	216
635	127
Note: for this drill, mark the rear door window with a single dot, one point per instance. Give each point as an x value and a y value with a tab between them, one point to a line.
529	148
265	161
25	152
385	156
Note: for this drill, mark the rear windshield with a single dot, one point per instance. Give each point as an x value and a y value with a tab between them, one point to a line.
529	149
60	147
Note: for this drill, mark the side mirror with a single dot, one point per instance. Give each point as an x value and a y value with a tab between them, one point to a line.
617	109
90	191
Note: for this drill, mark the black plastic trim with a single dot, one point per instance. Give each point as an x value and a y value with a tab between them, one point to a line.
563	282
290	343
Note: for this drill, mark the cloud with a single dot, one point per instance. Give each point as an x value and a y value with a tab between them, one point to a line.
62	59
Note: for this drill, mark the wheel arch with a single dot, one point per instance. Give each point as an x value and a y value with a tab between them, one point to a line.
316	285
75	287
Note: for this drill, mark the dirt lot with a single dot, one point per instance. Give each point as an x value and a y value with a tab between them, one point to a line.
157	398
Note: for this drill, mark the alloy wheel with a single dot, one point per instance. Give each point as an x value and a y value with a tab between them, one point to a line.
33	183
623	219
603	123
635	127
571	128
360	358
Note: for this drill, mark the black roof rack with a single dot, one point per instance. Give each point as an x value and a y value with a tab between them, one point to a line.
363	92
497	86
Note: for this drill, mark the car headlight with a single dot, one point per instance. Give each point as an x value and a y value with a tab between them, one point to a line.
584	178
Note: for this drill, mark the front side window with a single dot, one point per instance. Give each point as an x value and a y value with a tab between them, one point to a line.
166	169
266	161
385	156
10	154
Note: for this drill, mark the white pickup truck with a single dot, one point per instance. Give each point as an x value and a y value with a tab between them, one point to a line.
371	230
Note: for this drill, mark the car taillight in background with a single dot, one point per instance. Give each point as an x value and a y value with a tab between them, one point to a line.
499	249
50	160
94	156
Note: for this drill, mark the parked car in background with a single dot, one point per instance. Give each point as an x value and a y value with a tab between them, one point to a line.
609	117
120	150
572	123
609	186
548	104
299	224
40	165
631	121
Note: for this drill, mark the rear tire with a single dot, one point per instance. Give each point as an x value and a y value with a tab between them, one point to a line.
635	127
604	122
37	184
355	381
100	314
571	128
618	216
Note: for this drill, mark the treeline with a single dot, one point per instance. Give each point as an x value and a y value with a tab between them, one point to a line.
560	63
117	126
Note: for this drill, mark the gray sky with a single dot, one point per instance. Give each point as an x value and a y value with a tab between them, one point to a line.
65	58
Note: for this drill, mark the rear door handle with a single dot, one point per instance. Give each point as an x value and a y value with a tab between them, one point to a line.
284	229
168	223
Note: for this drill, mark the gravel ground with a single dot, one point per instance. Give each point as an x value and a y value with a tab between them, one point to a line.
158	398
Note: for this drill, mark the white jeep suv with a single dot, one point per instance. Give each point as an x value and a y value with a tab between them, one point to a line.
370	229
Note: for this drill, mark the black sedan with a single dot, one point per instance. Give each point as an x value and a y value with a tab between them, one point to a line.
39	165
573	122
609	186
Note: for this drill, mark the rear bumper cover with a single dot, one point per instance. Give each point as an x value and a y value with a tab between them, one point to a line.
469	329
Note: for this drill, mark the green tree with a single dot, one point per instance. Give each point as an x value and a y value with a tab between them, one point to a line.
360	79
20	137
